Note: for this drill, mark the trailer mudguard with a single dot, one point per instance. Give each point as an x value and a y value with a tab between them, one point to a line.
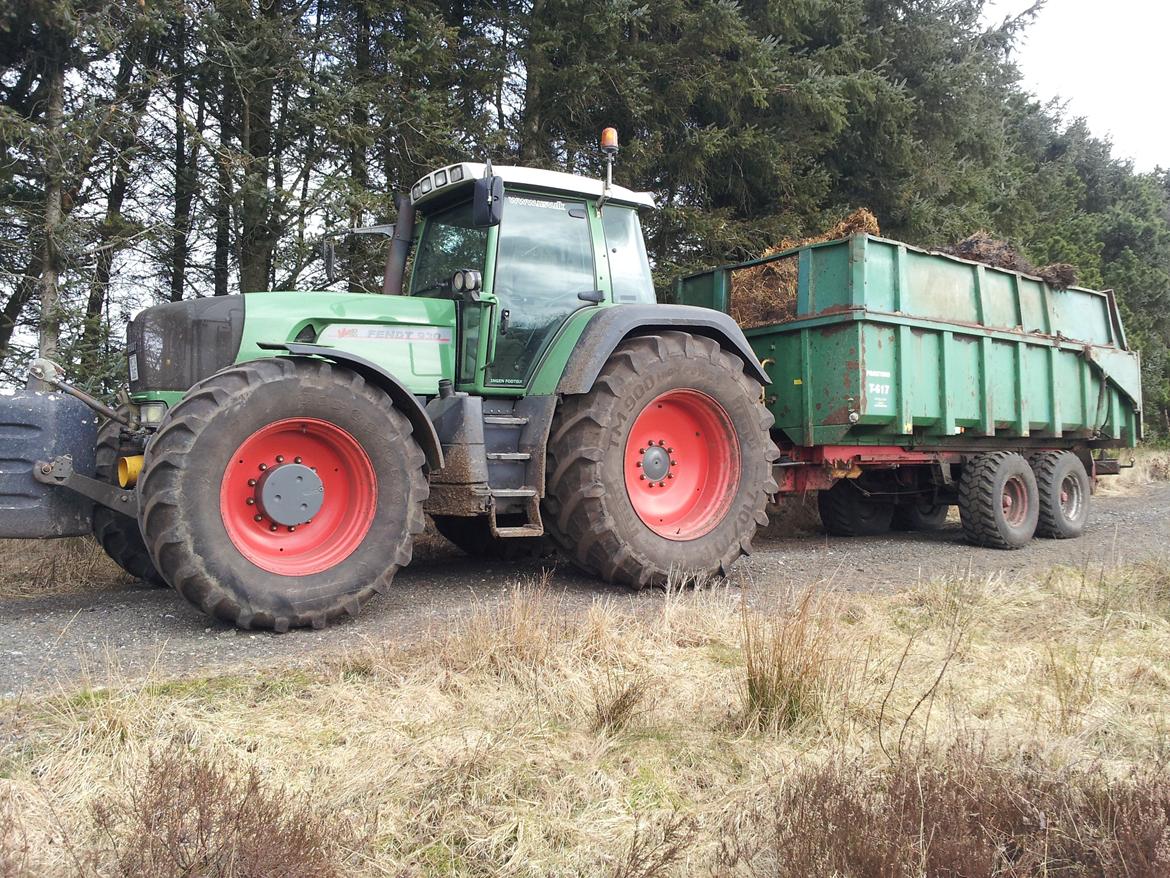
424	430
612	325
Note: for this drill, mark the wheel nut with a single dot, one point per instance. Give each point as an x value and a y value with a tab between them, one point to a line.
291	528
251	483
280	458
257	517
674	463
251	501
272	527
670	475
296	460
642	477
263	467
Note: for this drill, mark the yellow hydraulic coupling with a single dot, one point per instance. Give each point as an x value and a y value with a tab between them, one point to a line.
128	470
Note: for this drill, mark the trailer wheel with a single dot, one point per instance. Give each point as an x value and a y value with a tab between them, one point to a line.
999	504
1064	491
920	514
282	492
664	467
474	537
119	535
847	512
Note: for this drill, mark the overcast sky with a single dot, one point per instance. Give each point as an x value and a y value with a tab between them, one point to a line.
1108	59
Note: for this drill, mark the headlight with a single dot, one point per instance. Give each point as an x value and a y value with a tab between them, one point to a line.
151	413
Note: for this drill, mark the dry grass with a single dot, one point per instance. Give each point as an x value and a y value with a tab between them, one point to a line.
1150	465
34	567
975	726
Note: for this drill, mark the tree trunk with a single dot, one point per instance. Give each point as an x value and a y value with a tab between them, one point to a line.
223	195
256	227
50	328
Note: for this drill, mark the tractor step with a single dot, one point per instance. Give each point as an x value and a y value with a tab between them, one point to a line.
509	455
528	530
513	492
506	420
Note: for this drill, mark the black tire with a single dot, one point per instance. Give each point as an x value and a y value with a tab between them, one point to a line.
473	536
117	534
588	509
987	517
847	512
186	464
1064	490
920	514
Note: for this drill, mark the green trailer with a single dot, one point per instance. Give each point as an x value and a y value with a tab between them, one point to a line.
895	369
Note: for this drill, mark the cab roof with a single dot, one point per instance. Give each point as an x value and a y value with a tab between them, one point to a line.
446	183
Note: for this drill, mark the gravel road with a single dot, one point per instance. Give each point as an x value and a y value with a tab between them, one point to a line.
87	638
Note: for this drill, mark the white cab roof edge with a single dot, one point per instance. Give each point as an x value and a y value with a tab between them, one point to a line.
440	182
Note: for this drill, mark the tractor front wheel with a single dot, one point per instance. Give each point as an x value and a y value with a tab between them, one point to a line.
118	534
281	493
664	467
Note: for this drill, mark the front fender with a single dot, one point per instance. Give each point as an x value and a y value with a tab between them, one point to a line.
407	403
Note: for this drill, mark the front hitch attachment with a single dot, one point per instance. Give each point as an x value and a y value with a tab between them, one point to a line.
60	472
50	373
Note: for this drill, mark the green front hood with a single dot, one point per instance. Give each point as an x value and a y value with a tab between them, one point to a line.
412	338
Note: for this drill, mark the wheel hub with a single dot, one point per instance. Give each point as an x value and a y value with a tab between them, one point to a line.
290	494
655	463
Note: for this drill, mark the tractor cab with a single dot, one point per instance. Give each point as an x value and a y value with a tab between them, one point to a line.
521	250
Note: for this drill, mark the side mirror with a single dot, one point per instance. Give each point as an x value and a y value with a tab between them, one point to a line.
329	257
487	205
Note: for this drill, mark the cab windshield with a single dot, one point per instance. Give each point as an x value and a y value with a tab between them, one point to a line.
449	242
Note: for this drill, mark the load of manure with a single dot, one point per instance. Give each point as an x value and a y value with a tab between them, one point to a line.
766	294
982	247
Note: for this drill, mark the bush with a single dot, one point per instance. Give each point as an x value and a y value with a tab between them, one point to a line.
190	817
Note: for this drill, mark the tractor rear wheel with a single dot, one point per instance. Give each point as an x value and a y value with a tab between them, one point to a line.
1064	488
847	512
999	504
282	492
119	535
474	537
664	467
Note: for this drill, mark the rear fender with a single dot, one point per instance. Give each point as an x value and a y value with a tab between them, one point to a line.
611	326
407	403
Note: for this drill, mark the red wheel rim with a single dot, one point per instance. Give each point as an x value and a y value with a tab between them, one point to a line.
682	464
1015	501
348	483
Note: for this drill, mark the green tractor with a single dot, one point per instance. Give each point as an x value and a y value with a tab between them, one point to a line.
278	452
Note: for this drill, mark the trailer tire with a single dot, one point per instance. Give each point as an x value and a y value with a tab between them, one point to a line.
847	512
119	535
998	500
1064	490
207	496
691	400
916	515
473	536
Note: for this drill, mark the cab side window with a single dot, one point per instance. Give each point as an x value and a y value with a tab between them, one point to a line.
544	260
629	269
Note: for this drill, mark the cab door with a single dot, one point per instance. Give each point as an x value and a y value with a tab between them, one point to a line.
544	262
